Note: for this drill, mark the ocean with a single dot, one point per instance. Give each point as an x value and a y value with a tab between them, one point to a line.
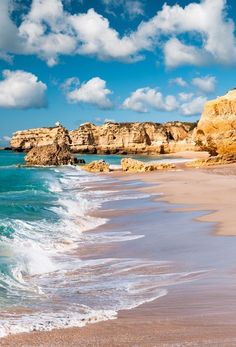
59	264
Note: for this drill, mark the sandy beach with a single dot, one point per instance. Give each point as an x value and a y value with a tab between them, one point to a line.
211	189
192	314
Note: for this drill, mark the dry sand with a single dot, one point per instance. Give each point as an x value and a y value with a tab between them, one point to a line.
188	315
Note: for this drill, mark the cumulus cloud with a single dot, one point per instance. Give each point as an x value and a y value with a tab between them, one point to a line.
147	99
179	81
6	138
194	106
205	84
44	31
92	92
176	54
132	8
143	99
185	96
50	31
23	90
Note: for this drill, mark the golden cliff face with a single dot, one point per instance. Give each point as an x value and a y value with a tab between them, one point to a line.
217	126
50	148
28	139
112	138
132	138
216	133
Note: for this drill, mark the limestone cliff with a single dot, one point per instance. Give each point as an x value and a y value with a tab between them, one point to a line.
112	138
54	150
216	129
27	139
132	138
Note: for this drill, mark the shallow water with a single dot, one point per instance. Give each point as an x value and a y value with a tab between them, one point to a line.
56	271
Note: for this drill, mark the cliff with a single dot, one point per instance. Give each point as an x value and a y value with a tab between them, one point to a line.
215	132
132	138
27	139
53	150
216	129
113	138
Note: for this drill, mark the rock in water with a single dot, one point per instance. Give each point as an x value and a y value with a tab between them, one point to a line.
97	166
132	165
56	153
50	155
216	130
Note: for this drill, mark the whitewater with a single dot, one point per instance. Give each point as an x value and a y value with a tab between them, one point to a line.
47	218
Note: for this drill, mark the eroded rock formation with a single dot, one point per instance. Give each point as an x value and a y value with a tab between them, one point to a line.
214	160
97	166
27	139
50	155
132	165
132	138
112	138
55	151
216	130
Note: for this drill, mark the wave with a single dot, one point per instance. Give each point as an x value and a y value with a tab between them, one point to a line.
44	284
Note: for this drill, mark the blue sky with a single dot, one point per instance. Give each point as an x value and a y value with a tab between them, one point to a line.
124	60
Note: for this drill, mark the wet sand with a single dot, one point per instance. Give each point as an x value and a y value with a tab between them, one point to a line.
212	189
200	313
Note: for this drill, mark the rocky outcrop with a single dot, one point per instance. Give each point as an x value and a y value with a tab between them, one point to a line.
132	165
216	130
97	166
214	160
57	152
27	139
111	138
132	138
50	155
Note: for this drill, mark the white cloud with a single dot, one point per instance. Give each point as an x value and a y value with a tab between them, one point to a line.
44	31
92	92
177	53
20	89
109	120
194	106
70	84
6	138
206	84
145	98
132	8
8	32
50	31
185	96
179	81
99	39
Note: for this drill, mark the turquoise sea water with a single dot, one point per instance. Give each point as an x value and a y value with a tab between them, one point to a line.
43	213
44	216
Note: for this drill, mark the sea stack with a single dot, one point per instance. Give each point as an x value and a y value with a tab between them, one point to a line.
55	153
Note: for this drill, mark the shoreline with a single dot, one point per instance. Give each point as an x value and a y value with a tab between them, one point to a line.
210	189
179	317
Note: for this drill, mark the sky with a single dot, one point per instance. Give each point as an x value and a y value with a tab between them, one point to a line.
77	61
